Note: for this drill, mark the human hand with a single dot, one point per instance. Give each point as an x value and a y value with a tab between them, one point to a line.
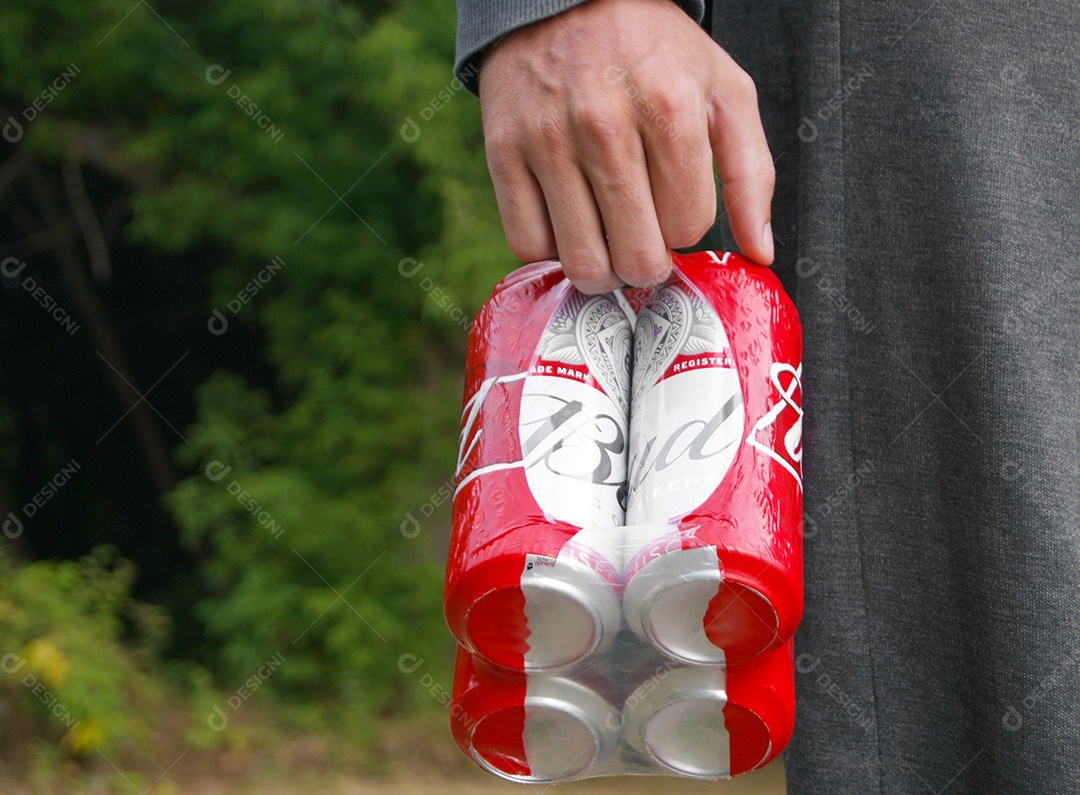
601	126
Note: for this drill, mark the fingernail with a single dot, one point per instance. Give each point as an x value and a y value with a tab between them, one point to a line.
767	241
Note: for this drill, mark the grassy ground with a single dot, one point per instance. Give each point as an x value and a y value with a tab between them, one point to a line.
769	781
414	756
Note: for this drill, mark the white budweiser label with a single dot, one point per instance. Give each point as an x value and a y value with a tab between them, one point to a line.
687	411
574	412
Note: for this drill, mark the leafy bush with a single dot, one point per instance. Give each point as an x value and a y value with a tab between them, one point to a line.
76	655
299	478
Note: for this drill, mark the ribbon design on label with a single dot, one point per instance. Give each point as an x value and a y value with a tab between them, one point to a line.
789	394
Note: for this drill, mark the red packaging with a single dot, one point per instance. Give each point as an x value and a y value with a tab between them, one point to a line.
697	721
542	454
716	449
708	721
533	728
625	562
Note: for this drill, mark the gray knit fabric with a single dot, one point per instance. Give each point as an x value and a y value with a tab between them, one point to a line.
483	22
927	223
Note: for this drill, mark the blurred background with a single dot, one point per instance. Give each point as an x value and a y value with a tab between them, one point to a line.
241	244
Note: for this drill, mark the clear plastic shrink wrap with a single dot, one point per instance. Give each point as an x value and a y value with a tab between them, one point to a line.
625	567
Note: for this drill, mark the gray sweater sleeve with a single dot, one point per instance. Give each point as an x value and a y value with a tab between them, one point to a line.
481	22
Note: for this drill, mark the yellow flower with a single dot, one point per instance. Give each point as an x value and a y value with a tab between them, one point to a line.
84	737
47	661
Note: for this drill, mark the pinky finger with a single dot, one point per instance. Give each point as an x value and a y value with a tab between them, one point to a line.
522	208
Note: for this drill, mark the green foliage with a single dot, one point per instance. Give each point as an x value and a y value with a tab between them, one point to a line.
65	670
300	541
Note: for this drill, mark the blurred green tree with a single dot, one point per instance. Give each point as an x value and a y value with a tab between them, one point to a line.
322	158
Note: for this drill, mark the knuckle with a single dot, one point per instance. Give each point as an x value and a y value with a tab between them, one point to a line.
589	273
675	101
582	265
751	181
673	114
687	232
503	151
735	89
596	286
549	131
601	123
642	268
745	85
500	136
502	159
529	247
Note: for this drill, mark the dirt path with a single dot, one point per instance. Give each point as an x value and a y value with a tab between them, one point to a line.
769	781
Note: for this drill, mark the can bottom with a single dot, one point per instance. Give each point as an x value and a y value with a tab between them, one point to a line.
705	736
666	600
740	620
537	626
552	740
674	626
496	743
751	738
690	737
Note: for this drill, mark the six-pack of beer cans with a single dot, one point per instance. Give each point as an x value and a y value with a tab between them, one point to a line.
625	566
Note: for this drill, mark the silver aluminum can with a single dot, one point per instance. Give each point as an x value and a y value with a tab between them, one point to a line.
545	730
571	606
722	583
533	571
667	592
676	720
713	722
